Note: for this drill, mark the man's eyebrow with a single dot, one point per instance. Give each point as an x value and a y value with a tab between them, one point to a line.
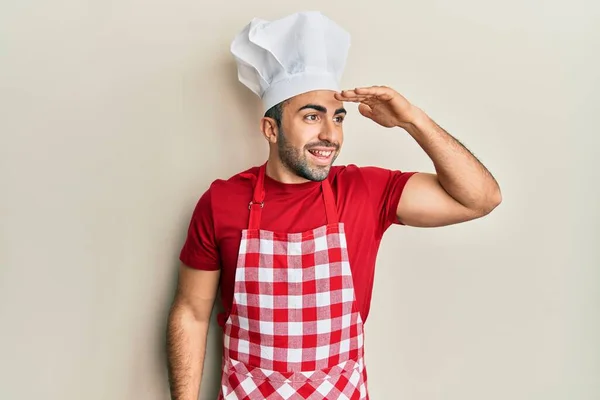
322	109
314	107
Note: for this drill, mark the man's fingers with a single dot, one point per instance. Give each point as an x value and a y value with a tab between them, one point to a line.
380	92
372	90
365	110
354	98
351	95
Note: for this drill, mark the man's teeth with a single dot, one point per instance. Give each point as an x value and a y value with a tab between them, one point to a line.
321	153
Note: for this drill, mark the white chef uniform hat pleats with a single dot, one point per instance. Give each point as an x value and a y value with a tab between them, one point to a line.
296	54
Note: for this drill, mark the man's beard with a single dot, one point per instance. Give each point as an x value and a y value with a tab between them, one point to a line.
296	161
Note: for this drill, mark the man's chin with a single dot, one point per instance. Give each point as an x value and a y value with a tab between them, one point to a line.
319	172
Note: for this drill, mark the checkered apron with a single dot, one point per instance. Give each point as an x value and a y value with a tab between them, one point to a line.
294	330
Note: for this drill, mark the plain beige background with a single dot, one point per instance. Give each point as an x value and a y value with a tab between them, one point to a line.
116	116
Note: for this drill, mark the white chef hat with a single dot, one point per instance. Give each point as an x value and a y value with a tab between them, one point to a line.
296	54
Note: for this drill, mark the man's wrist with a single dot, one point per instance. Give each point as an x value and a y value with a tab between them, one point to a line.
417	122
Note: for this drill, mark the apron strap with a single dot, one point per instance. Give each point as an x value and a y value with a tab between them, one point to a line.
258	200
329	199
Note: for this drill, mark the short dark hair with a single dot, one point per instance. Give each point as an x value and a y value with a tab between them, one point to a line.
276	112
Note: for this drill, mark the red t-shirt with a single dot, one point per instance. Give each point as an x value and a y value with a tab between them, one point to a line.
366	197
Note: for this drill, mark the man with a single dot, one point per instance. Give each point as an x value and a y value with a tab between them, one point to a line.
292	243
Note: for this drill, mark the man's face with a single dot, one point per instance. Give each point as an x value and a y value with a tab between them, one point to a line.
311	136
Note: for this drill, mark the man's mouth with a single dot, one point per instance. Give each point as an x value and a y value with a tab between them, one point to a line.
322	155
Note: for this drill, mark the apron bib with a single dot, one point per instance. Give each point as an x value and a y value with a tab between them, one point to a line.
294	330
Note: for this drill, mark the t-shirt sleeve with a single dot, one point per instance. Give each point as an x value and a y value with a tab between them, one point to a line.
200	249
385	189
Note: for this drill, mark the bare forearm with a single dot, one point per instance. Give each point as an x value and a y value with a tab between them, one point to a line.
459	172
186	348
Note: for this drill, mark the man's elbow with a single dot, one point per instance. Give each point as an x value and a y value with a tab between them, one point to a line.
188	313
489	203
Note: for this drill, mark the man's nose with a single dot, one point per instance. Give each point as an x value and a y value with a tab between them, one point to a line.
329	132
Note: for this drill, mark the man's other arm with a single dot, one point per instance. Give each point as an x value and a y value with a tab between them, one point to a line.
187	330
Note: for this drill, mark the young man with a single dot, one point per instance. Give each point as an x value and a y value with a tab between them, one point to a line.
292	243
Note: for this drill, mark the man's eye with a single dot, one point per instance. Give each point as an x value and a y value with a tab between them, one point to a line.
339	119
311	117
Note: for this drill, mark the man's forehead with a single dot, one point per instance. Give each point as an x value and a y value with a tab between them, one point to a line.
323	98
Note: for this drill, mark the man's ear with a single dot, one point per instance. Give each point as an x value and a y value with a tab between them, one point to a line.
268	127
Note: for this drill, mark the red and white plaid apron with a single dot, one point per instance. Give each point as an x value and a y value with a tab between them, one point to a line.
294	330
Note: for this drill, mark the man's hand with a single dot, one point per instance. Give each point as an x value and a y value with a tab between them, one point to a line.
382	104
